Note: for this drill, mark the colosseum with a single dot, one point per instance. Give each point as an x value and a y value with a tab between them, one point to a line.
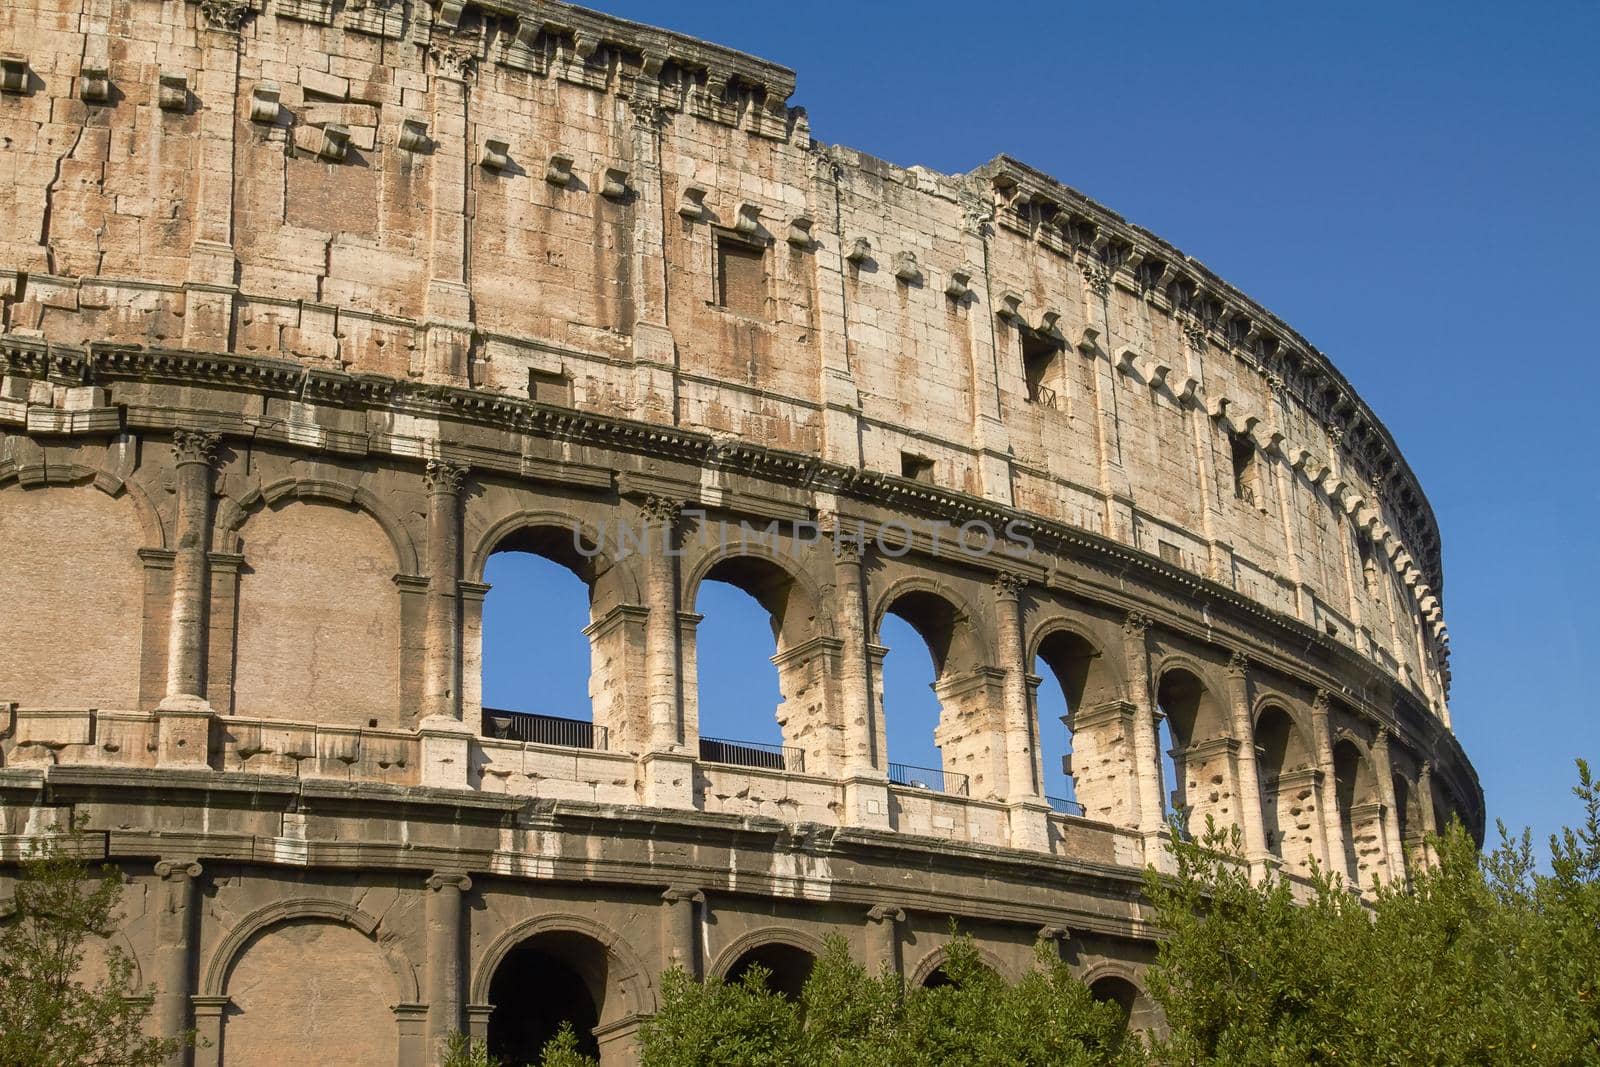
310	307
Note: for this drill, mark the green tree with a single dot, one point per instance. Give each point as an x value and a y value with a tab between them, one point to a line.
1482	960
48	1016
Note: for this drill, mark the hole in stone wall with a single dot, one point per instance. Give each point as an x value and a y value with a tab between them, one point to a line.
915	467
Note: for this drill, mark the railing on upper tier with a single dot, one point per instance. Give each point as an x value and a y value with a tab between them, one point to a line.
931	778
542	729
752	754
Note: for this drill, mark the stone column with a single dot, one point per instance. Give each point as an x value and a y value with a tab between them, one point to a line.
1394	855
1249	784
447	308
184	713
1430	822
669	760
444	922
1030	814
211	281
883	937
1332	828
208	1014
679	930
1146	747
175	949
865	760
441	688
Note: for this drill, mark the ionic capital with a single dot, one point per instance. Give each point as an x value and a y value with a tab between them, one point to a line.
443	476
195	446
440	880
680	894
177	870
886	913
1056	934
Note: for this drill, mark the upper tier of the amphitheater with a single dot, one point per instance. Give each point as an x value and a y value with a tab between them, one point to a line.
536	201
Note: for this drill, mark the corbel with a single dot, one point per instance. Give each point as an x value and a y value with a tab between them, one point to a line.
1010	309
1158	374
1088	340
558	171
173	91
1050	325
748	221
800	231
905	267
13	74
94	85
1127	360
496	153
614	183
584	46
449	14
335	142
860	251
1191	394
693	205
413	135
959	286
264	103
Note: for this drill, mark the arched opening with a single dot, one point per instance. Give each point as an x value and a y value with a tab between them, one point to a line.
529	645
1191	724
927	656
548	980
1402	811
1360	823
1080	682
941	977
1138	1014
788	967
1288	788
758	679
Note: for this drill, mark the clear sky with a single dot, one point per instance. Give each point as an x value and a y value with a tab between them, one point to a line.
1412	187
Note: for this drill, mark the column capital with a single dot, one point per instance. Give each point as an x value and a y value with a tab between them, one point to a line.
678	894
1058	934
1238	665
1007	586
660	510
1321	702
442	476
846	549
195	446
886	913
178	870
448	880
1136	624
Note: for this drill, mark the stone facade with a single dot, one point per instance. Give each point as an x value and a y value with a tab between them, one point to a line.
310	307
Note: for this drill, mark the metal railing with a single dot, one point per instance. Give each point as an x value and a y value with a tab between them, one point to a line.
752	754
1065	806
538	729
931	778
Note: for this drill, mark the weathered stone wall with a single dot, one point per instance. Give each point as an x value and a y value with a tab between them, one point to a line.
309	309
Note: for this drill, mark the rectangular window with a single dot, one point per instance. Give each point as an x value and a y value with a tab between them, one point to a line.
1041	367
918	468
1246	476
741	277
549	387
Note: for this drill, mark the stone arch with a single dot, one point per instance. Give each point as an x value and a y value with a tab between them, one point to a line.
803	654
788	954
310	909
632	979
970	730
1202	743
234	513
611	589
1087	680
74	547
1286	765
933	961
941	616
1360	809
301	607
1119	983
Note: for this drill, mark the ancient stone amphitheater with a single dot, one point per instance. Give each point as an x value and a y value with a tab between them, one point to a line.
310	306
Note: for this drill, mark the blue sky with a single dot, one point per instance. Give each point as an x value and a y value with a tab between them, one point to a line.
1411	186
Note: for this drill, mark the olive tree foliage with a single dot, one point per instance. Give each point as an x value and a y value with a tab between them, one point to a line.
49	1015
1483	959
847	1016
